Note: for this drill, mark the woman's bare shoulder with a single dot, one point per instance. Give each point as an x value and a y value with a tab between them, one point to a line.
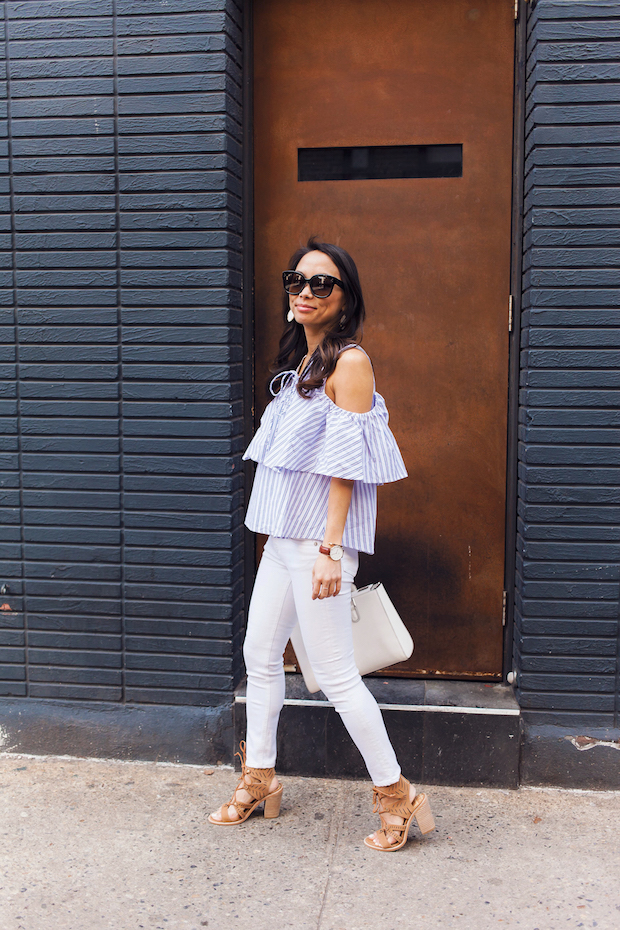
354	362
351	385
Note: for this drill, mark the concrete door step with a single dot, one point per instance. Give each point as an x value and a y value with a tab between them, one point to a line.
444	732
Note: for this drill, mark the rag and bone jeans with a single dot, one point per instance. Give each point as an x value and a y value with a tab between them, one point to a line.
282	596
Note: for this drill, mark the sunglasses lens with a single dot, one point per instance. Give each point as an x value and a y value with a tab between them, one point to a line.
321	285
293	282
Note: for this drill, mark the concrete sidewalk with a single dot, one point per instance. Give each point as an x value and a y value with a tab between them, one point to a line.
88	845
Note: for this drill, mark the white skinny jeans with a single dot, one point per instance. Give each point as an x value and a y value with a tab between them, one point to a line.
282	595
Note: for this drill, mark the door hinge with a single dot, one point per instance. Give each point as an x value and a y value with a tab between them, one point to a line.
510	313
504	600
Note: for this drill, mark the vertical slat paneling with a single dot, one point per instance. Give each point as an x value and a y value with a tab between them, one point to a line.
60	61
179	159
567	630
12	632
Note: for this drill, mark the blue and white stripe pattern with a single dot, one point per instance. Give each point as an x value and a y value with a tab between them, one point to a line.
304	442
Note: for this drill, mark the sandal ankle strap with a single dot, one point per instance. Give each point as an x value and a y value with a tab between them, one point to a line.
260	779
392	799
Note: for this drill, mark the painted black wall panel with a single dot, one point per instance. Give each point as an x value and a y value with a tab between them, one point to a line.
578	9
543	434
76	640
570	379
570	455
571	197
589	533
74	692
549	519
542	646
594	684
80	624
70	571
548	702
83	676
195	646
75	657
574	29
580	665
25	9
556	336
42	49
573	495
566	51
584	71
582	93
122	164
541	570
567	135
167	695
554	515
210	630
567	563
579	478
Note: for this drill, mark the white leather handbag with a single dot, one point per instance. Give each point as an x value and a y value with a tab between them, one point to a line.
380	638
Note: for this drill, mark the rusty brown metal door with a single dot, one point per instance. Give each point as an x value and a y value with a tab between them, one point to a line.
433	255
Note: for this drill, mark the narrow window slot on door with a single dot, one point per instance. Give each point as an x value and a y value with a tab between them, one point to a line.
376	162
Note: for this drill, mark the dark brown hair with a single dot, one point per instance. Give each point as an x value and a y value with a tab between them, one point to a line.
293	344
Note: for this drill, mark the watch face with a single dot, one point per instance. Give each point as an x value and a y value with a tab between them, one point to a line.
336	553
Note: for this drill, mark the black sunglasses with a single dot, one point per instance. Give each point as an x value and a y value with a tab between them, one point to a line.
321	285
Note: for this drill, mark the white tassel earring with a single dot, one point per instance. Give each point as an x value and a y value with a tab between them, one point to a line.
290	316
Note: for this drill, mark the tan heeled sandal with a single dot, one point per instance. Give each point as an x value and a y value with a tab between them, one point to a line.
257	786
394	799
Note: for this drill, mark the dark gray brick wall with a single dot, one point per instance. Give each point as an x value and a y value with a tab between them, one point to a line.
567	631
121	391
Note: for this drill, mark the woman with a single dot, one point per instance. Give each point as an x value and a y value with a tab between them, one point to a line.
322	448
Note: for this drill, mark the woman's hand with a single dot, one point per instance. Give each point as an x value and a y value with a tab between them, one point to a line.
326	577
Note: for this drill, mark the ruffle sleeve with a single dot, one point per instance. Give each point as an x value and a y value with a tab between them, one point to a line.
322	438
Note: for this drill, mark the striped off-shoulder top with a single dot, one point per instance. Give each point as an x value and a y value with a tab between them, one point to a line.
304	442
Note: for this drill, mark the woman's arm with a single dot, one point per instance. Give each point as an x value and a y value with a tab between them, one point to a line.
327	574
350	387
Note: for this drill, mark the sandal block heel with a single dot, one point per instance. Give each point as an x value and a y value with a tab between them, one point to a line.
424	816
272	804
394	800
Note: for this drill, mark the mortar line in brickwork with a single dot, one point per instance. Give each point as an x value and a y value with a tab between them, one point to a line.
20	474
119	337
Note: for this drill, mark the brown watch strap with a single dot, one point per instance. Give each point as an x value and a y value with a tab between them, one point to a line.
324	549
